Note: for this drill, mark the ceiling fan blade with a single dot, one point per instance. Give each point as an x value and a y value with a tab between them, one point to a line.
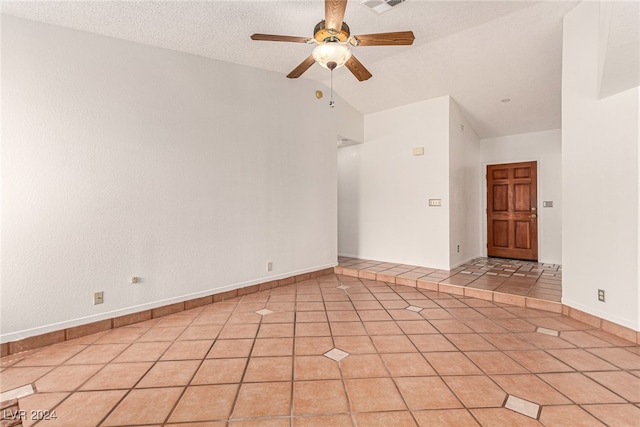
304	66
357	69
386	39
276	38
334	14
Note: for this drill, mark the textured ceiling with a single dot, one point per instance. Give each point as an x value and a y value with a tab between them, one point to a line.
479	52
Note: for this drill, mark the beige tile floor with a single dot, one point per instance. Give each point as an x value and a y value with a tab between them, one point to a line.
403	357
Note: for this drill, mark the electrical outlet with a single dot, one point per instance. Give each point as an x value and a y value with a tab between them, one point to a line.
458	248
601	295
98	298
269	266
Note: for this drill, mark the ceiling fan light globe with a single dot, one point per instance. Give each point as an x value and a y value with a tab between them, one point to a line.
331	53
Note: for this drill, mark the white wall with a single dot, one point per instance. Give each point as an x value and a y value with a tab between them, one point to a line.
121	160
464	189
546	148
349	200
619	44
384	189
599	179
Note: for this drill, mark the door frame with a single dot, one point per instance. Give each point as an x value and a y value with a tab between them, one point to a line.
483	211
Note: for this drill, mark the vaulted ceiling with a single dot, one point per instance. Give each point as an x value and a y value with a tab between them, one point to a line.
479	52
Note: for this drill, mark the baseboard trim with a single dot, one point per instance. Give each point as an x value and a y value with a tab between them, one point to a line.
31	339
616	329
458	264
197	300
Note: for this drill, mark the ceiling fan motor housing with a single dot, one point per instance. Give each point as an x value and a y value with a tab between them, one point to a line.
323	34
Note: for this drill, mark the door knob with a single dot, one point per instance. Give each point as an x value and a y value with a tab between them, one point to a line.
534	216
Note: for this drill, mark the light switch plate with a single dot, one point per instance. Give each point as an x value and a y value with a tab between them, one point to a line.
435	202
418	151
547	204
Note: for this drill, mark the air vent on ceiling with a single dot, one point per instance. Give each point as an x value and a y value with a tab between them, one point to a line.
381	6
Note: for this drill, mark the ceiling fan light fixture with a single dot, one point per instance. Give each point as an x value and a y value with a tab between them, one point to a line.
331	55
333	48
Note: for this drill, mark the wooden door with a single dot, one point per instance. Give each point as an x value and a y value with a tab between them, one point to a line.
512	220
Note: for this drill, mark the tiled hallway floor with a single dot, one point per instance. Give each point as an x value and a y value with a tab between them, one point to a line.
515	277
337	351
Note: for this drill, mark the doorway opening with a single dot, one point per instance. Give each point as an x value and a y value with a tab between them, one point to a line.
512	216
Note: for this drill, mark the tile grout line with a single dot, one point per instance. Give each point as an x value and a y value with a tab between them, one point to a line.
246	367
503	352
426	360
133	387
78	388
195	372
350	408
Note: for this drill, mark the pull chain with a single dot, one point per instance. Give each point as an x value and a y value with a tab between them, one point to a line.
332	66
331	103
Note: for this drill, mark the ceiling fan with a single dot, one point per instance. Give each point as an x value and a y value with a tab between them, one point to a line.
333	41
